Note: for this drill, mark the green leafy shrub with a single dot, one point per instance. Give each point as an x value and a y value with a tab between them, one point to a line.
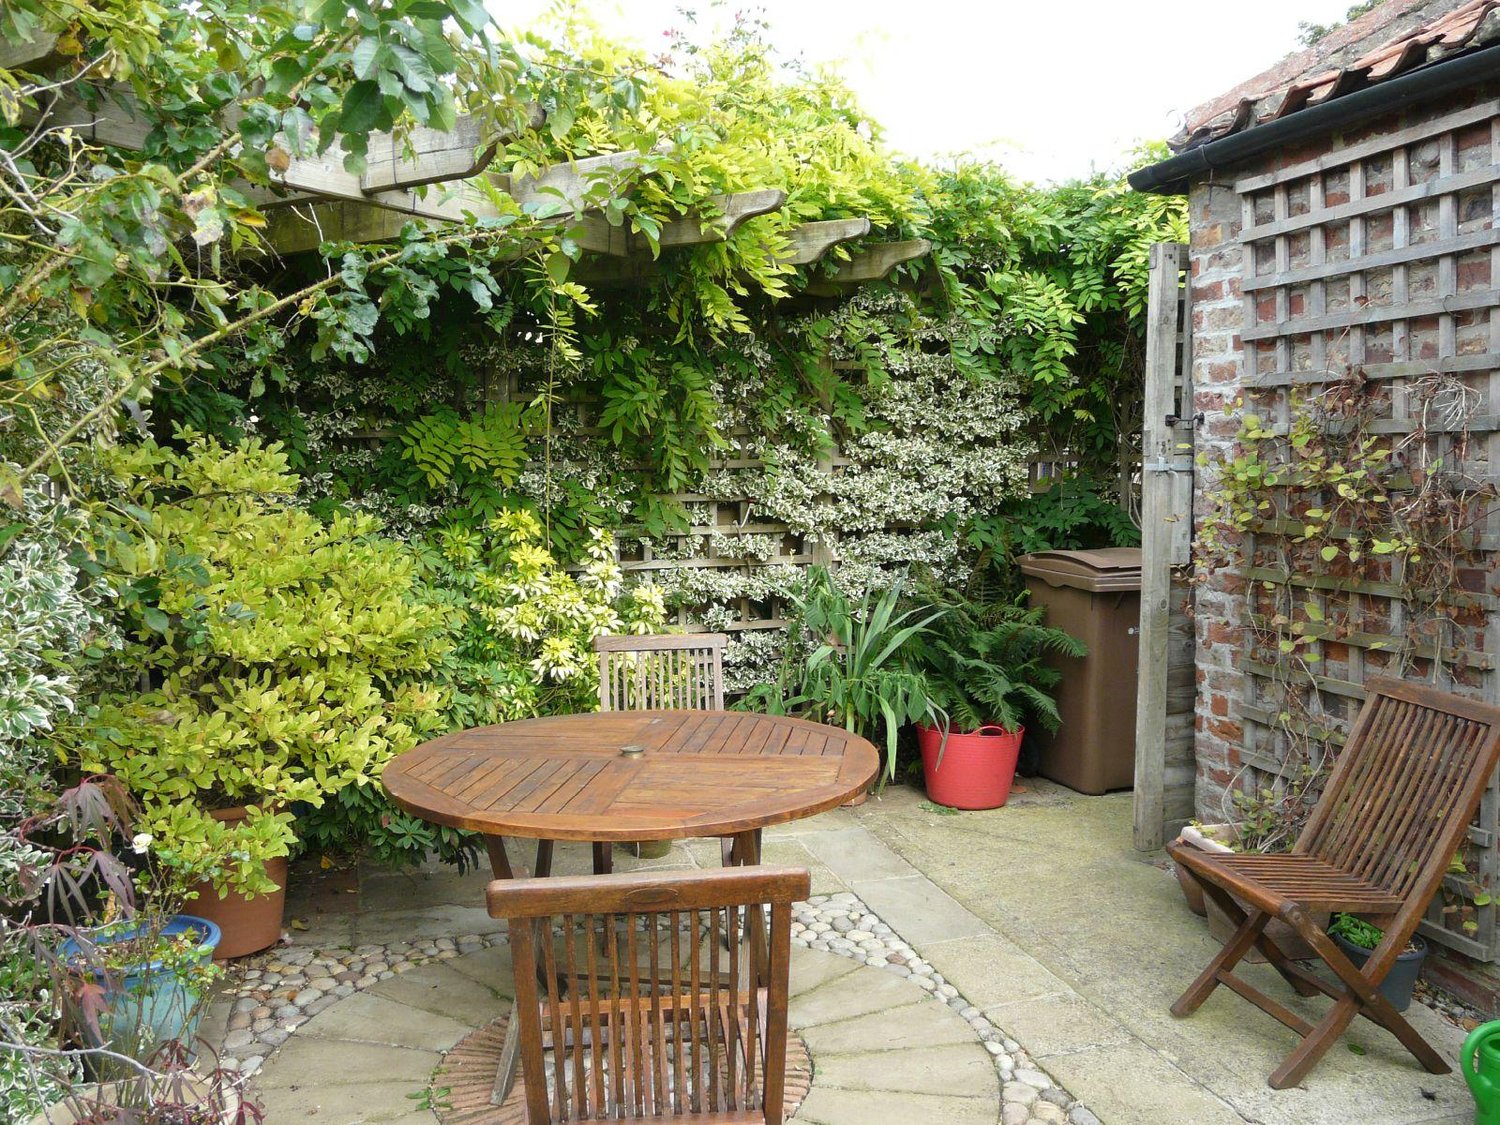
521	629
848	663
1356	931
283	659
987	666
1074	513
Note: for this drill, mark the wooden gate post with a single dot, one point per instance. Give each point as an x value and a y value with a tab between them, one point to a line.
1166	528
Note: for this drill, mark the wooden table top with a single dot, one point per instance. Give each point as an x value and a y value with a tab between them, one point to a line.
699	773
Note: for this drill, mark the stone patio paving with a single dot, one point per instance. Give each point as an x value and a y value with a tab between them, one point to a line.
968	967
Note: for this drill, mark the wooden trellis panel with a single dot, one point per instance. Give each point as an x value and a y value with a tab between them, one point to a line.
1380	258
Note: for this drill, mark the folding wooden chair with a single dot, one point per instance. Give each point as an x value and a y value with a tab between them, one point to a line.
1378	843
626	1005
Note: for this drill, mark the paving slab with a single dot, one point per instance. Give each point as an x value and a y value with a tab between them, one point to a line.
857	994
812	967
306	1062
827	1106
444	990
855	855
917	909
924	1023
990	970
490	968
790	851
374	1103
445	920
1129	1084
1055	875
960	1070
1062	1022
370	1018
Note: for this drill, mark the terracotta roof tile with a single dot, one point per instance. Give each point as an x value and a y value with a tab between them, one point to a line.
1397	36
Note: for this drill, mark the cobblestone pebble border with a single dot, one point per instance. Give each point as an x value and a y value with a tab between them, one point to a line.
276	992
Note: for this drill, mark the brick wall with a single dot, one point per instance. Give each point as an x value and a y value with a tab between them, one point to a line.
1372	252
1216	267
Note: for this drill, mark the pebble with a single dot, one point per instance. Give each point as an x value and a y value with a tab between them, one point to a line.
1078	1115
1014	1113
1019	1092
1048	1112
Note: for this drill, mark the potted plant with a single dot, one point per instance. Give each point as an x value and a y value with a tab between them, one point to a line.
138	984
1358	939
113	980
845	663
287	659
985	676
1266	822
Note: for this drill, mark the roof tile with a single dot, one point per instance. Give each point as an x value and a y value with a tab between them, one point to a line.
1444	30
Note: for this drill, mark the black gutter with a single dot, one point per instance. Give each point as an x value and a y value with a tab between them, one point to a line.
1171	177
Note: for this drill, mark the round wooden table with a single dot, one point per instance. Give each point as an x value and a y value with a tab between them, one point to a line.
632	775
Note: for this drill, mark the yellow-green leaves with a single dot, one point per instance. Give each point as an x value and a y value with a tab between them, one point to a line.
291	654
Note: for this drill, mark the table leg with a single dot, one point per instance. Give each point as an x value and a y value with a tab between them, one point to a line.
604	858
747	852
499	861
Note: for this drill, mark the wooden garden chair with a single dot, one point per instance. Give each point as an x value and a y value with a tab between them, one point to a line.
627	1006
1382	835
661	671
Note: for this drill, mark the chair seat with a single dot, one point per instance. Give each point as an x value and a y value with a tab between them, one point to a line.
1274	881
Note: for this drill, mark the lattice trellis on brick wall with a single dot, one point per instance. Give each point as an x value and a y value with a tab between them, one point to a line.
1381	258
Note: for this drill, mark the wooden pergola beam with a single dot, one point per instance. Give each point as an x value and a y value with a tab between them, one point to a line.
296	225
733	211
436	157
113	123
724	215
810	241
874	263
15	55
301	223
573	186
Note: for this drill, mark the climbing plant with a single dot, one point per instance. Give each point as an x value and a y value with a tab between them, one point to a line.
1354	537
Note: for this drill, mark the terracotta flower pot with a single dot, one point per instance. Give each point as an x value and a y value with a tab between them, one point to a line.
249	924
972	770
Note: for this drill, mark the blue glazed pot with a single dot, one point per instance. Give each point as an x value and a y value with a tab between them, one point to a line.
145	1005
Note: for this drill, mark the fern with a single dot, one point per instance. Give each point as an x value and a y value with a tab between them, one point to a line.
491	446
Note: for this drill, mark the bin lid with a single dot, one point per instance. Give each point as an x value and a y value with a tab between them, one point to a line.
1107	569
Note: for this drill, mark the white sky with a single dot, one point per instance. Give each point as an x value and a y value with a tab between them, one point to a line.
1050	89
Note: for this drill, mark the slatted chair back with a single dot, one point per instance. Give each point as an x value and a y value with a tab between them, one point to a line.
650	1005
661	671
1398	802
